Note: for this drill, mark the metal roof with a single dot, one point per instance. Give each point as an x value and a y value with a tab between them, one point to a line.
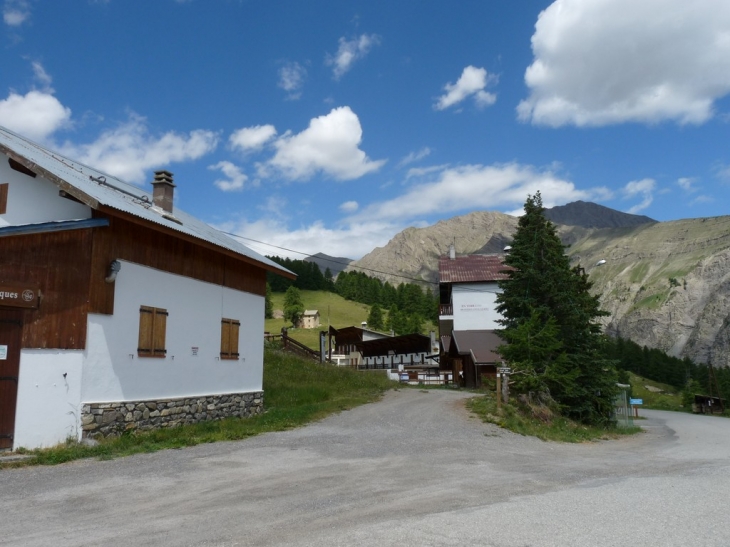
472	269
482	343
97	189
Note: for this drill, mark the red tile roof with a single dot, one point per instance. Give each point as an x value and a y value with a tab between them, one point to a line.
472	268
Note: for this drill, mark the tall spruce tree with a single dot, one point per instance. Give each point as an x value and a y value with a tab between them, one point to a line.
553	340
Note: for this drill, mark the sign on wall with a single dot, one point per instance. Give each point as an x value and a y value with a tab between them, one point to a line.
15	296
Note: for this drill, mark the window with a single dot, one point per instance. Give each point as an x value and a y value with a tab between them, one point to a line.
229	338
152	327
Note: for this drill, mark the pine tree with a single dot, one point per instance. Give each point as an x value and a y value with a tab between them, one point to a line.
549	320
375	317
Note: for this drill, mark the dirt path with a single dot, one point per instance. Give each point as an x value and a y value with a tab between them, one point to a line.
413	469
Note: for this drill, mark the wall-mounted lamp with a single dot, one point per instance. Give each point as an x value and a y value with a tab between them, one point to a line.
114	268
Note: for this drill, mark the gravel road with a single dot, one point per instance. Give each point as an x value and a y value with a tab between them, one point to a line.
413	469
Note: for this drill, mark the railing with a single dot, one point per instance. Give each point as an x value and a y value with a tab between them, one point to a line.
446	309
289	344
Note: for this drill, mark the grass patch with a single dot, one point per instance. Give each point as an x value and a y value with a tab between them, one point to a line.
333	309
296	392
651	302
541	422
639	272
668	399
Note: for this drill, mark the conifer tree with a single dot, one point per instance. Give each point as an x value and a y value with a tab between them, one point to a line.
293	306
375	317
549	319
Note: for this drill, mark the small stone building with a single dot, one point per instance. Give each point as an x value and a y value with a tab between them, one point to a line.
309	320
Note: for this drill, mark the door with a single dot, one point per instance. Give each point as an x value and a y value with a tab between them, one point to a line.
11	330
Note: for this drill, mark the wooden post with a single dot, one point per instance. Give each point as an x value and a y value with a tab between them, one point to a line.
505	388
499	393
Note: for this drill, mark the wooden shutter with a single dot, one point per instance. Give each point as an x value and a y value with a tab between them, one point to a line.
152	332
3	198
229	338
158	333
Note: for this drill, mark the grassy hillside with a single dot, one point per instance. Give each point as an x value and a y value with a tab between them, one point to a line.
655	395
333	310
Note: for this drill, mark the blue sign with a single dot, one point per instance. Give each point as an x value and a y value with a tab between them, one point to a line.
636	401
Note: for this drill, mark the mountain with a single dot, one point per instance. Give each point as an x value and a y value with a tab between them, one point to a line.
592	215
666	285
334	263
412	255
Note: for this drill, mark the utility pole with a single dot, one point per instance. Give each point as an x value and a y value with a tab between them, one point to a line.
712	380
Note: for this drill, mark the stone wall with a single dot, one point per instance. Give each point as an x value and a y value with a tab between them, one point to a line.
111	419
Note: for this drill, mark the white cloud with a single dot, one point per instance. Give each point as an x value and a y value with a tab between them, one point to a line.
352	241
349	206
417	172
699	200
15	12
252	138
291	79
349	52
42	76
329	145
235	178
415	156
35	115
128	150
472	82
644	188
686	184
472	187
599	62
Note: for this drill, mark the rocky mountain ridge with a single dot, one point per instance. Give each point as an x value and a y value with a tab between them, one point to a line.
666	285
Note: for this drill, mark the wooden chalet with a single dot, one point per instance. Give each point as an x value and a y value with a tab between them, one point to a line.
118	311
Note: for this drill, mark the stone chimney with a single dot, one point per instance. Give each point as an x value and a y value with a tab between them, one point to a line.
163	190
452	252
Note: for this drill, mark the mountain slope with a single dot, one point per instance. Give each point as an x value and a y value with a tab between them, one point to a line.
665	284
592	215
412	255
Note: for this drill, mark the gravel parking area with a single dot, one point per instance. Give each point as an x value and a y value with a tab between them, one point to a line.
413	469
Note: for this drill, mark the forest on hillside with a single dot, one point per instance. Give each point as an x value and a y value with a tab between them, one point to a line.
654	364
403	309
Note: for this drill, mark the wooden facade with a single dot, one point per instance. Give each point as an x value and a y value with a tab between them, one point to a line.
125	239
70	269
58	264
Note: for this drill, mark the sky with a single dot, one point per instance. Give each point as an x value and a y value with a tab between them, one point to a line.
330	126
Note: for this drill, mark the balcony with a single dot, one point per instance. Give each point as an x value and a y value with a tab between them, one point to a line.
446	309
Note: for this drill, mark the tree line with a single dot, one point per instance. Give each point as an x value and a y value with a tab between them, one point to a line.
403	309
656	365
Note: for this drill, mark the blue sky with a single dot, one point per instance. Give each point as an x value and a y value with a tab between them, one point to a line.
331	126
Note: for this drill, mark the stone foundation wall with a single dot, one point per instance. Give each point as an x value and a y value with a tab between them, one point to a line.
111	419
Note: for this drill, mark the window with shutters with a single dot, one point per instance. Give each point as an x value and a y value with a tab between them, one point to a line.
229	338
152	327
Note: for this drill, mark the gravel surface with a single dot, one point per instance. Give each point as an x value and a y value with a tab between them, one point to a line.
413	469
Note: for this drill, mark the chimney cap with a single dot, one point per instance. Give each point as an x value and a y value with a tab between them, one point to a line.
163	177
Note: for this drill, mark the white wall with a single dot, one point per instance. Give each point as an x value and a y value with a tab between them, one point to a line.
114	372
475	306
32	200
47	411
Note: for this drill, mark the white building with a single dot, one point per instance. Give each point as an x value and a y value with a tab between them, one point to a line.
468	289
117	311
